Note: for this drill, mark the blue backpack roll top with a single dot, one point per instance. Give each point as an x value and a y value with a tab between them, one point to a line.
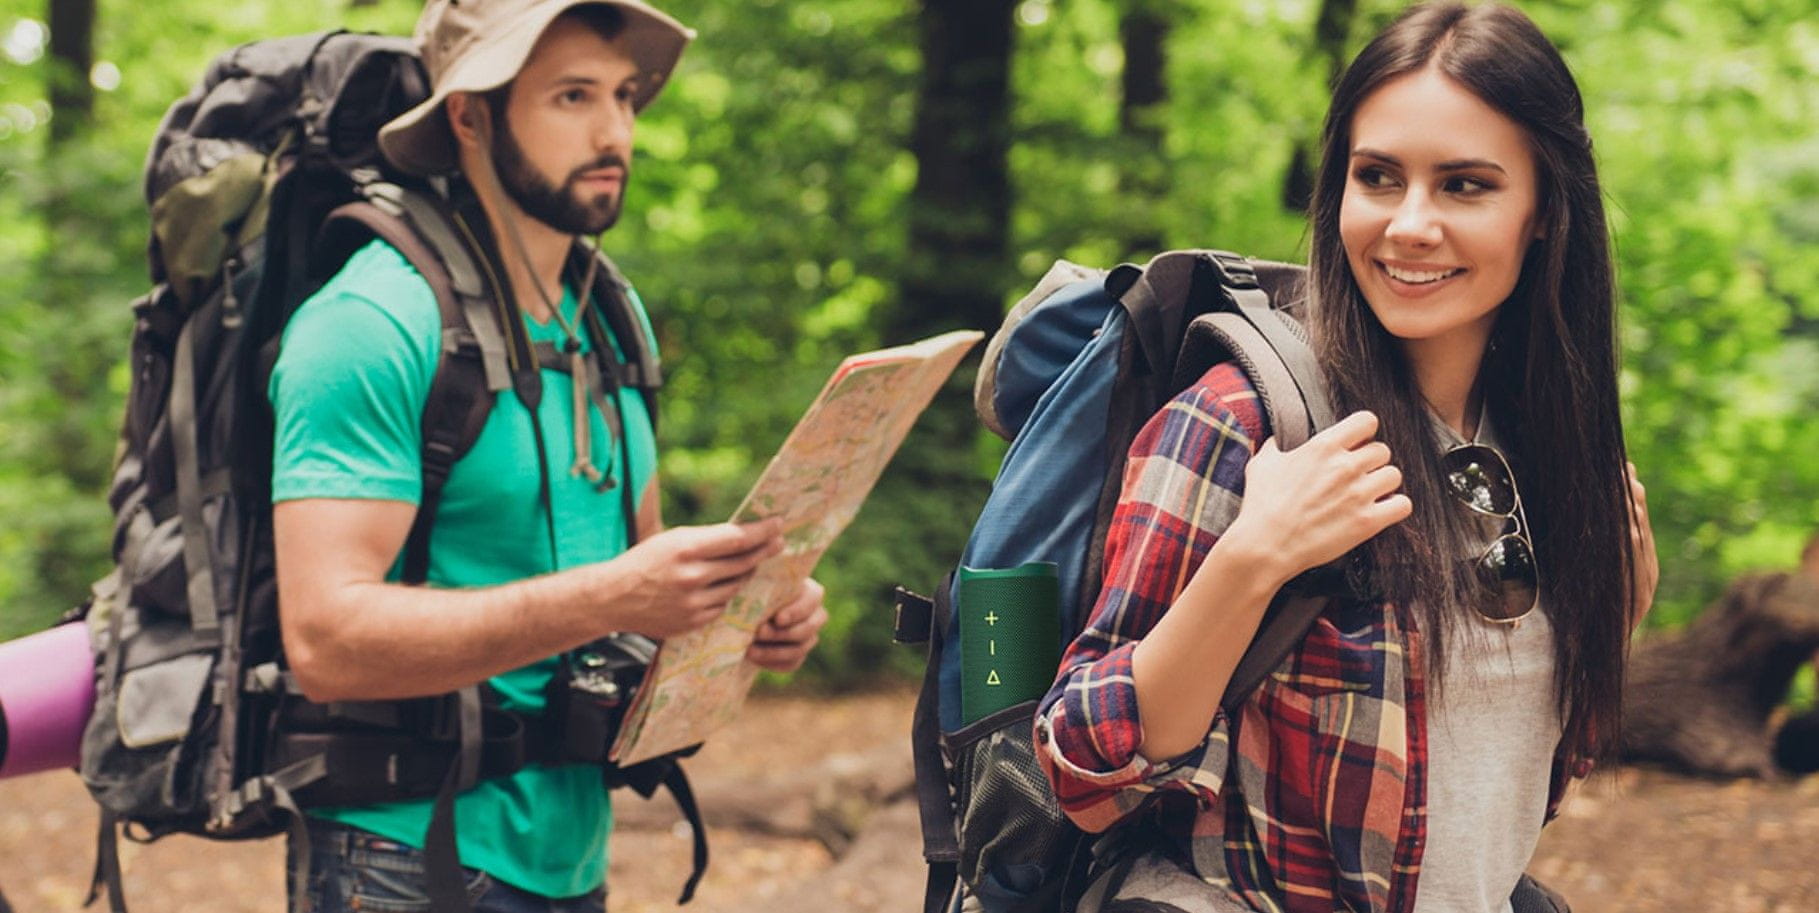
1080	364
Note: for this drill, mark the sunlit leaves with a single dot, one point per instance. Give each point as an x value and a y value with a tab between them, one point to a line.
766	228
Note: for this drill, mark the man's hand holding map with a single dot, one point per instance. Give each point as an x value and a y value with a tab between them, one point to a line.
816	484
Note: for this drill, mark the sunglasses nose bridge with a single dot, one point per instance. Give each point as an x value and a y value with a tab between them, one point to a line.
1513	526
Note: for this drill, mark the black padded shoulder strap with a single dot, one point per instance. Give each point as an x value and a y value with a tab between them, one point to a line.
1284	623
615	318
612	296
1244	325
468	368
1286	341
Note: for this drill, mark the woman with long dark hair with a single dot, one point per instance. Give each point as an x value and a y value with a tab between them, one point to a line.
1406	754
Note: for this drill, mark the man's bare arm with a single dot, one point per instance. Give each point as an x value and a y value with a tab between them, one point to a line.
352	636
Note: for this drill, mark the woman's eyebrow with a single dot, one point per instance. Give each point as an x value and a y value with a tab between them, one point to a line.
1368	153
1471	165
1449	165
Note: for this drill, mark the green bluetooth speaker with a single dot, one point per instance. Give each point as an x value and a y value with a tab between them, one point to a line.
1010	636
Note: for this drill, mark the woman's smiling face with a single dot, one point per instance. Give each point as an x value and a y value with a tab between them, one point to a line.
1438	210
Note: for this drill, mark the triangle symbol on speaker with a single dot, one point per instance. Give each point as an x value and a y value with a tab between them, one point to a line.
991	678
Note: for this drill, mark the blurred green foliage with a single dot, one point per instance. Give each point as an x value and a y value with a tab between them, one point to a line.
766	227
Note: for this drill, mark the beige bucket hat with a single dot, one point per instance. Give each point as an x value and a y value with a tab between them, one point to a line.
476	45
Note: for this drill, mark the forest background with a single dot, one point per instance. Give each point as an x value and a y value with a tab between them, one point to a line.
826	176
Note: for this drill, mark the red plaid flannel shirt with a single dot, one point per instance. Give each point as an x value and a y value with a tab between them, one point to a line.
1314	798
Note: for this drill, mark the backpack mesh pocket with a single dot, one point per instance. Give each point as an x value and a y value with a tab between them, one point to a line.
1016	846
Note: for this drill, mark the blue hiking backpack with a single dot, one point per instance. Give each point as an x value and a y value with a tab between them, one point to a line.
1080	364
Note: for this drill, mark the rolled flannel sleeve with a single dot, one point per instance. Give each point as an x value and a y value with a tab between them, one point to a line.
1181	490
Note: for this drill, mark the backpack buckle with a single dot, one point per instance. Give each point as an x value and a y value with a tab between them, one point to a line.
1234	269
915	617
235	803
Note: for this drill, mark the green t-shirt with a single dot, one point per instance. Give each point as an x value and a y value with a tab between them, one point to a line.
349	387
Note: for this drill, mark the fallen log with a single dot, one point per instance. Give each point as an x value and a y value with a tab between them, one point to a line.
1700	699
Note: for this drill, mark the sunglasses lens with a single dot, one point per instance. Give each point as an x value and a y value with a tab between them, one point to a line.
1477	477
1509	571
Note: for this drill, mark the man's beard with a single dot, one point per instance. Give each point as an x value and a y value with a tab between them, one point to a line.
558	207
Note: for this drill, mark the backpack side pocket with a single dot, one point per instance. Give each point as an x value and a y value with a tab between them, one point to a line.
1016	845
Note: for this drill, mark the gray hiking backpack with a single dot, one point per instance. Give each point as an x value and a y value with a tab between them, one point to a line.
261	182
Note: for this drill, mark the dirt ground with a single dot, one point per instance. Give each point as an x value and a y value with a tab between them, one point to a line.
1631	840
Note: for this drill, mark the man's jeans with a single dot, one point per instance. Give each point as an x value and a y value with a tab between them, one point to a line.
356	871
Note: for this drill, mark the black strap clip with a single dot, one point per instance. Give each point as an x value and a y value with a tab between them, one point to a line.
915	617
1234	270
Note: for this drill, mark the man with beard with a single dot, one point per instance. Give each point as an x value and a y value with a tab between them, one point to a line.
531	113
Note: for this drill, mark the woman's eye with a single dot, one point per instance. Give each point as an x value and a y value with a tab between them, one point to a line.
1372	176
1465	186
574	97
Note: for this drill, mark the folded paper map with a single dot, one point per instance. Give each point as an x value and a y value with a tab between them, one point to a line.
816	483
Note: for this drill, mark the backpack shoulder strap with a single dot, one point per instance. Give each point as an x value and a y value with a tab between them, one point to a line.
472	364
617	318
1285	622
1246	326
640	368
1235	338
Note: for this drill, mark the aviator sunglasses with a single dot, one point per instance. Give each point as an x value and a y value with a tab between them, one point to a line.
1479	478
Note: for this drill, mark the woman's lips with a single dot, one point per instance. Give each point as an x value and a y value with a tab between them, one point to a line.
1416	282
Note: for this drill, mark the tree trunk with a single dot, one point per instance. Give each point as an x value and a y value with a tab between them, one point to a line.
72	354
72	56
956	276
959	212
1330	31
67	266
1142	108
72	100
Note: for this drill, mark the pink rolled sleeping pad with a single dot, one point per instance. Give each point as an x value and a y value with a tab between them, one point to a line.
47	690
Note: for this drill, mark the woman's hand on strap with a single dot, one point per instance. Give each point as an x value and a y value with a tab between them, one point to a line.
1301	509
1646	567
1313	504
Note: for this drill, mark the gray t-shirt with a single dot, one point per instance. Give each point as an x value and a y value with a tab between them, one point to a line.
1492	732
